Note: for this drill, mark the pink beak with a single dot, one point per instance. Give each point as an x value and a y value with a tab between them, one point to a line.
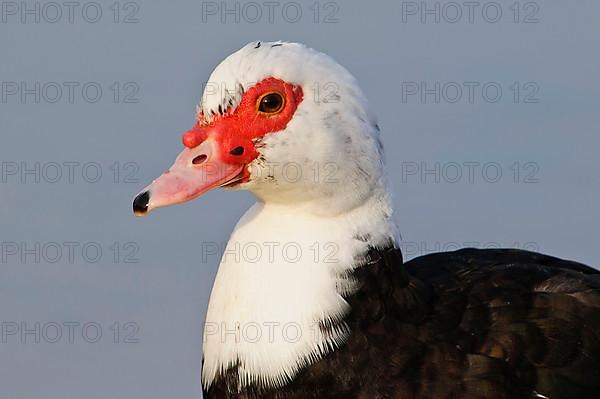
194	172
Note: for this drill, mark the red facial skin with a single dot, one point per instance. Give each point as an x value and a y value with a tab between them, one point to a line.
246	124
218	152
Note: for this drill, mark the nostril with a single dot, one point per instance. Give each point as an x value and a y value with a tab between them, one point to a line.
237	151
199	159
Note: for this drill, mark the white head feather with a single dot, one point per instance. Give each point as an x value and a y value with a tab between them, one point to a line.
322	193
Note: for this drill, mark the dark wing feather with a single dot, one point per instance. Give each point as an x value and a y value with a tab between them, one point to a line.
538	314
470	324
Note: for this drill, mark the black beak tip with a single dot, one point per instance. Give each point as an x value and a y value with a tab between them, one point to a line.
140	203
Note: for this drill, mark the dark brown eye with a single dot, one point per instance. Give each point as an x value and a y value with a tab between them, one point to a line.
237	151
271	103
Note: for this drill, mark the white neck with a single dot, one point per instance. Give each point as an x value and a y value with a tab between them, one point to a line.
284	271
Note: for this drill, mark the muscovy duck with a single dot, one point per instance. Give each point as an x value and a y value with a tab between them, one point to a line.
328	309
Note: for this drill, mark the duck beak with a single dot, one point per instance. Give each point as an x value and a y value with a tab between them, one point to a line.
195	171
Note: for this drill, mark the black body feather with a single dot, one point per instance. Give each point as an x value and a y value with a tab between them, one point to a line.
485	324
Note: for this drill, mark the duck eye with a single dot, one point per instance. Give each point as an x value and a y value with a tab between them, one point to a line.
271	103
237	151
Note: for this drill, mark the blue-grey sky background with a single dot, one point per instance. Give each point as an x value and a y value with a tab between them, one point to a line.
167	55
